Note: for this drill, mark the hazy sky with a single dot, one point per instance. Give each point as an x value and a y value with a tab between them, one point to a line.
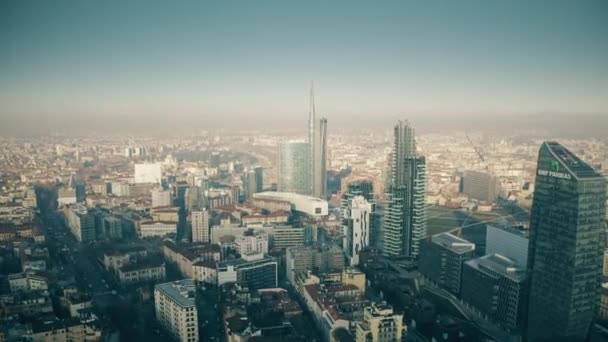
233	62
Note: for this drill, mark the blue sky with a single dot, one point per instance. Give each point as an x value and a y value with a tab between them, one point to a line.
230	60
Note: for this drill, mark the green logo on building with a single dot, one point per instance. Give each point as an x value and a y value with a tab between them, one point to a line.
554	165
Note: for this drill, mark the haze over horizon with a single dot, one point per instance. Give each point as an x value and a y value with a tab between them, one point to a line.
107	66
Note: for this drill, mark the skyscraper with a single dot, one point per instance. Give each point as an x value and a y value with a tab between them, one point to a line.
365	189
317	140
566	246
259	178
405	220
200	226
294	167
356	223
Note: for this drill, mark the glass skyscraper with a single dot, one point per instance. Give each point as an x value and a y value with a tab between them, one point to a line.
294	166
405	219
317	140
566	246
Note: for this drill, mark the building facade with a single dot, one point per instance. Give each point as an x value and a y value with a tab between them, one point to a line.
442	257
567	241
405	219
200	226
494	285
481	186
380	323
357	220
294	167
175	307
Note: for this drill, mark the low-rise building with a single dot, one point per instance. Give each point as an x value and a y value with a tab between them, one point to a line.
205	272
143	271
156	228
28	281
380	323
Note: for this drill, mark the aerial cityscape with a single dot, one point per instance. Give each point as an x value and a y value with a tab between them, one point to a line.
268	171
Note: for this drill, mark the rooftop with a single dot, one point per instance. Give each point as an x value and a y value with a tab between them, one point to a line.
498	264
181	291
453	243
573	164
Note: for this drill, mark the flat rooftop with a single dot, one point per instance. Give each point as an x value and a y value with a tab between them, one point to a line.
498	264
181	291
453	243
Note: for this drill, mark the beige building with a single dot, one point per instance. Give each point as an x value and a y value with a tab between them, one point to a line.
200	226
175	306
80	329
380	323
148	271
166	214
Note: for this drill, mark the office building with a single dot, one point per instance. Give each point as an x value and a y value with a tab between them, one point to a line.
364	188
294	167
259	178
508	241
200	226
252	243
481	186
156	228
380	323
255	271
405	219
288	236
441	259
175	306
161	198
494	286
148	173
317	142
250	186
317	260
356	226
567	240
81	222
112	227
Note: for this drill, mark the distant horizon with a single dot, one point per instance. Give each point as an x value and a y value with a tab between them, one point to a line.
68	65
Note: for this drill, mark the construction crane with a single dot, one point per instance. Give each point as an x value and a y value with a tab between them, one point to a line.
477	150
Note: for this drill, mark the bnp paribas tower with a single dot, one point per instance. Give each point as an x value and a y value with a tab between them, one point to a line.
566	246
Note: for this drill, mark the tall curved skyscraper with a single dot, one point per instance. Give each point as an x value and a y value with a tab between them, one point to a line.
317	140
294	167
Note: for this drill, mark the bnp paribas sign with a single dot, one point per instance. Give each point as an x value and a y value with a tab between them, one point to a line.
554	171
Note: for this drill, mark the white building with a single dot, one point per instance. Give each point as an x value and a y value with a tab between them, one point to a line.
256	243
156	228
148	173
308	205
161	198
357	218
205	272
27	281
200	226
66	196
175	306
